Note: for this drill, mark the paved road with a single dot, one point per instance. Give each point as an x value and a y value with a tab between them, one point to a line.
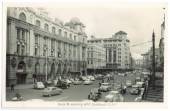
74	93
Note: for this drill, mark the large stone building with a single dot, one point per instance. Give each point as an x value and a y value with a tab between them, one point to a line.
118	54
161	45
148	59
41	48
96	56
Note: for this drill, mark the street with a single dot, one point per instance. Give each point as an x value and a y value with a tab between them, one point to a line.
73	93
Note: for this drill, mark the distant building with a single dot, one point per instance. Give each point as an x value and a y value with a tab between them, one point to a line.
96	56
148	58
40	47
138	64
161	45
117	50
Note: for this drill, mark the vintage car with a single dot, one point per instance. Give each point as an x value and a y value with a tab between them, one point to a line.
95	94
87	82
91	78
128	83
77	82
135	90
114	96
49	91
39	85
105	87
140	84
63	84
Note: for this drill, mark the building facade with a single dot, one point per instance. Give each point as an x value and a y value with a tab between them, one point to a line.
161	45
41	48
148	59
96	56
118	54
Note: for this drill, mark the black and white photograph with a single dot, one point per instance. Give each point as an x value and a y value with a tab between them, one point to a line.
85	53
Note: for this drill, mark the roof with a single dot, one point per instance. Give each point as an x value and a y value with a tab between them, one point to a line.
120	32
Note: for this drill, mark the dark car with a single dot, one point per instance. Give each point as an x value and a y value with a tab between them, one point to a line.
63	84
95	94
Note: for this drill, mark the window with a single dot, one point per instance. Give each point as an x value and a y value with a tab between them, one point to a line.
46	27
23	50
65	34
70	36
75	38
36	50
23	35
53	30
38	23
18	33
18	49
60	32
22	17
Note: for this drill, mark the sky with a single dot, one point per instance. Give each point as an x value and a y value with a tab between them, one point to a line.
102	21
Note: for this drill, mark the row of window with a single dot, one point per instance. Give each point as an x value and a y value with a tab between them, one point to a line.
22	17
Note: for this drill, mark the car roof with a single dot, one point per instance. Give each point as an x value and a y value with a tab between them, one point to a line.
106	83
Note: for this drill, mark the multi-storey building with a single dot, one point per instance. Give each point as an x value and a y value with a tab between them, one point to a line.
148	59
41	48
96	56
118	54
161	45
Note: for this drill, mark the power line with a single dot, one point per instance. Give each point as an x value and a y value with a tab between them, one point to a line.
140	44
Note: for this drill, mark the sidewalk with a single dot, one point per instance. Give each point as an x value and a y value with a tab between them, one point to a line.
22	86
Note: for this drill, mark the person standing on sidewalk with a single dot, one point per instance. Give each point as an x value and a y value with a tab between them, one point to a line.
12	87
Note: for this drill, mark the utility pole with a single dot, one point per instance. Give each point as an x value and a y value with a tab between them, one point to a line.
153	60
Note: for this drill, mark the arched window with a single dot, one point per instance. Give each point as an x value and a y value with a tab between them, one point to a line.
38	23
22	17
37	68
46	27
53	30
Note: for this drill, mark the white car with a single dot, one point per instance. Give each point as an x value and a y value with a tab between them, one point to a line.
77	82
140	84
135	89
105	87
39	85
91	78
114	96
49	91
128	83
87	82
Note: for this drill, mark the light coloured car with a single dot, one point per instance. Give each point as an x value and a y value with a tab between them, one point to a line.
134	89
39	85
114	96
91	78
140	84
77	82
105	87
87	82
128	83
49	91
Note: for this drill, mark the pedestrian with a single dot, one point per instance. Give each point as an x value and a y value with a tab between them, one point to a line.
12	87
99	84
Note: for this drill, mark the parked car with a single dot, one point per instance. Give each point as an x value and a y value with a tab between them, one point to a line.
140	84
95	94
39	85
83	78
128	83
87	82
68	81
77	82
49	91
63	84
135	90
91	78
105	87
121	74
114	96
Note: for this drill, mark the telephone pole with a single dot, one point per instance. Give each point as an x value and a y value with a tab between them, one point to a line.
153	60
